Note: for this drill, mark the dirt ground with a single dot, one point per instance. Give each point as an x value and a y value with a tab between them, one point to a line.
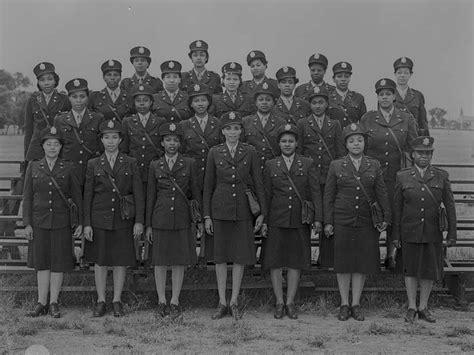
258	332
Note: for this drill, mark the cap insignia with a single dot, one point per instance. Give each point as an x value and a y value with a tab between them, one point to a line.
77	82
426	141
383	82
141	88
141	50
197	87
172	127
198	44
111	63
353	126
287	127
231	116
265	86
42	66
343	65
316	90
171	65
316	56
232	65
110	124
252	54
404	60
53	130
285	69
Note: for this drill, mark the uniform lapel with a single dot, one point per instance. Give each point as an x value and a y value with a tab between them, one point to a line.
87	118
52	101
271	125
281	105
396	118
364	164
70	120
348	165
119	163
225	153
239	152
379	119
178	164
211	123
105	165
429	174
416	175
151	123
195	124
296	165
410	96
43	166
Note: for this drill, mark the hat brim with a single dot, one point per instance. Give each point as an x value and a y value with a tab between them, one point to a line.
45	138
45	72
385	88
110	130
423	149
69	92
230	123
288	77
342	71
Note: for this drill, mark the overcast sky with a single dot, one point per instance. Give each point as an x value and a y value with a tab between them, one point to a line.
78	36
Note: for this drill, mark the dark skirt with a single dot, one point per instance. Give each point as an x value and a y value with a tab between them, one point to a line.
423	260
288	247
326	251
234	242
173	247
111	247
51	249
356	250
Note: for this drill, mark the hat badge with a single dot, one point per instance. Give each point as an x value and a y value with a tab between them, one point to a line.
111	63
316	90
171	65
199	44
197	87
353	126
343	65
42	66
172	127
404	60
77	82
383	82
110	124
53	130
287	127
141	88
141	50
252	54
232	65
426	141
316	56
285	69
265	86
232	116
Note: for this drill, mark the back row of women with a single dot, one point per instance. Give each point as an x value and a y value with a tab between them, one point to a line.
166	160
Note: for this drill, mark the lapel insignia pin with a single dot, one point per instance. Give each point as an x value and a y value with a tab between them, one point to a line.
426	141
110	124
197	88
172	127
232	116
53	130
265	86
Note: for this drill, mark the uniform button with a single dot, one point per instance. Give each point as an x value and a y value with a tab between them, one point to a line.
289	198
422	189
143	147
233	185
113	200
173	189
263	158
233	168
357	207
422	199
233	176
50	201
319	165
50	183
50	210
80	161
203	150
203	159
422	209
386	134
422	219
357	188
202	168
290	188
289	206
357	197
143	138
386	143
172	208
263	139
386	153
386	163
113	209
113	190
320	148
143	156
50	192
319	157
172	198
263	148
233	195
80	152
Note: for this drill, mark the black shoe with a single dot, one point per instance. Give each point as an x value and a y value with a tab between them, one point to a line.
410	316
356	313
117	307
344	313
175	310
54	310
39	310
99	310
291	311
279	311
220	312
426	315
235	312
161	310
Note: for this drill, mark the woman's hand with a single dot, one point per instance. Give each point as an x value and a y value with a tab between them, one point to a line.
200	229
149	235
328	230
382	227
77	232
29	232
209	226
137	230
258	224
88	233
264	230
317	227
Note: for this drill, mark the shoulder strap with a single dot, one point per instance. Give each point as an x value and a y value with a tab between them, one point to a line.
173	181
61	193
267	142
293	185
431	194
43	114
395	139
114	185
201	136
238	174
114	110
364	191
147	136
81	143
324	143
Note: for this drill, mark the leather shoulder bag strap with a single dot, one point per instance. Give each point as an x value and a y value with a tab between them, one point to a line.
364	191
114	185
202	137
173	181
61	193
324	143
395	139
431	194
267	141
79	140
114	111
292	183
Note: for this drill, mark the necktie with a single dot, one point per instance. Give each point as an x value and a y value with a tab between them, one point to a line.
78	119
288	162
50	165
264	121
144	121
170	163
114	96
47	98
232	152
356	164
202	123
232	97
112	161
172	95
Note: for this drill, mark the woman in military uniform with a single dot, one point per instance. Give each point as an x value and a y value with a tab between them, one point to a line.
320	138
408	99
381	127
232	167
79	128
351	181
168	219
113	214
47	219
199	55
111	102
41	109
171	103
318	64
345	105
261	128
289	240
419	192
257	62
288	106
232	99
140	57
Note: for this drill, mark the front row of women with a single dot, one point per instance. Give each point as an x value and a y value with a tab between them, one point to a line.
289	203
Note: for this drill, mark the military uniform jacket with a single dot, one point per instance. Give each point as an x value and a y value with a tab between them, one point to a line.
136	144
311	145
415	213
284	206
90	145
349	110
344	202
127	83
173	111
210	78
166	207
252	131
100	101
222	103
249	87
414	103
35	122
196	143
43	206
299	109
101	200
380	143
304	90
224	195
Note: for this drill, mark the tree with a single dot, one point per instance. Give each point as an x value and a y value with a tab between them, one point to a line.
13	97
437	116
